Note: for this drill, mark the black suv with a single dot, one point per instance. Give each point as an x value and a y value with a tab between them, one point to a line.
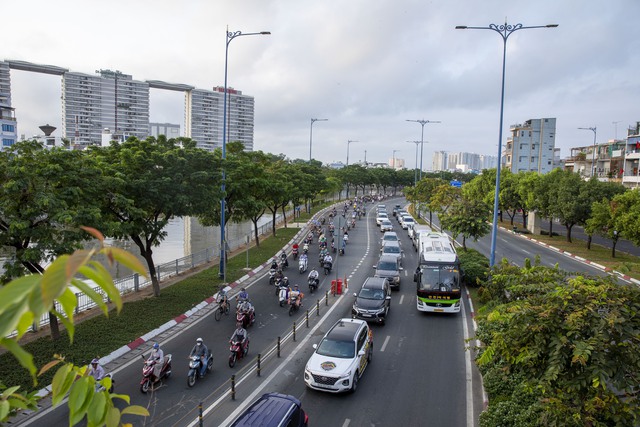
396	208
373	301
273	410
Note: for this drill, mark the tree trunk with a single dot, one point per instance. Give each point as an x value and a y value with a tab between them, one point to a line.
255	231
589	242
430	218
569	227
284	215
613	247
273	220
464	243
54	326
550	227
525	216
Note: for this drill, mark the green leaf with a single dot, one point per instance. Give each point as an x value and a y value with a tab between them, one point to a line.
97	411
113	417
135	410
5	407
24	358
5	394
101	275
54	281
80	398
69	302
124	397
95	296
62	381
17	291
127	259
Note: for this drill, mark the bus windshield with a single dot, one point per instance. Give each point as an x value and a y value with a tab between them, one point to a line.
445	278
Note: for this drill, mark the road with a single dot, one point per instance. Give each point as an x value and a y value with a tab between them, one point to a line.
421	373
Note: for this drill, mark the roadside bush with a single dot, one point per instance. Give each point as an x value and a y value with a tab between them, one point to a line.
475	267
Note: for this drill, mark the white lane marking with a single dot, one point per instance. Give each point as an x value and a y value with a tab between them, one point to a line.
384	344
401	299
347	421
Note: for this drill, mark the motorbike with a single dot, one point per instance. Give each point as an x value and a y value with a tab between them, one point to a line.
238	350
353	223
293	307
246	318
148	379
313	284
302	265
327	267
305	249
345	238
283	294
294	251
333	247
194	368
342	250
100	387
272	276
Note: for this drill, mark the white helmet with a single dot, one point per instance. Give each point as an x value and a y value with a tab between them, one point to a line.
199	341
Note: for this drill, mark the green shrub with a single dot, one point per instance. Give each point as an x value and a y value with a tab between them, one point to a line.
475	267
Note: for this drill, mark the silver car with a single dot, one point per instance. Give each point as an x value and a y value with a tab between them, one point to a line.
393	249
386	225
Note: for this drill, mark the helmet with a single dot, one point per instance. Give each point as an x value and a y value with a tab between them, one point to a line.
95	361
242	289
286	278
156	346
199	341
295	286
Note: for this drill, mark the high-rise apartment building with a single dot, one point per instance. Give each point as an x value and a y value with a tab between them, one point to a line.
531	146
111	102
440	159
8	125
170	130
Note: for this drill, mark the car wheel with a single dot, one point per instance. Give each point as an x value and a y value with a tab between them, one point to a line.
370	355
354	383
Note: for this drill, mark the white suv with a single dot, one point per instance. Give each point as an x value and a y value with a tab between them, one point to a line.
339	360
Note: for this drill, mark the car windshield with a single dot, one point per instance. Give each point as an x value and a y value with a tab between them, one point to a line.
383	215
390	238
387	265
407	219
440	278
377	294
385	222
333	348
390	249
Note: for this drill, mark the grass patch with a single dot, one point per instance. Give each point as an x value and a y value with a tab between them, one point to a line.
623	262
100	336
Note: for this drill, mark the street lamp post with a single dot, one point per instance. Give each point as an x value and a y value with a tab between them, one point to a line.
311	134
415	175
593	155
348	144
230	36
505	31
422	123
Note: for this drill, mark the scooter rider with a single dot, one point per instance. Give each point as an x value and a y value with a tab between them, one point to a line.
202	352
314	275
243	295
283	257
240	335
157	356
96	370
295	296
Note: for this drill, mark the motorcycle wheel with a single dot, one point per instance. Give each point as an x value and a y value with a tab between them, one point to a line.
144	387
272	281
246	350
292	308
282	303
218	313
191	378
210	365
232	360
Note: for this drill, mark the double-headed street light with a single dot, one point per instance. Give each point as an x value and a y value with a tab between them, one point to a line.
348	144
505	31
422	123
593	157
415	175
223	244
311	134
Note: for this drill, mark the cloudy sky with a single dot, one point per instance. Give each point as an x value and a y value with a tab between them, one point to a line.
365	65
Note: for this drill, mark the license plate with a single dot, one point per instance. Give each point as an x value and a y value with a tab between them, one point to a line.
324	386
438	310
366	315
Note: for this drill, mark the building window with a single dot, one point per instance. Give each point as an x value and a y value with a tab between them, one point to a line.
6	142
8	128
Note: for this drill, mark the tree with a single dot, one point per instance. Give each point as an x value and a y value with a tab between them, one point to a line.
628	205
510	198
468	217
45	194
604	221
544	194
559	349
422	193
444	196
280	192
28	298
148	183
